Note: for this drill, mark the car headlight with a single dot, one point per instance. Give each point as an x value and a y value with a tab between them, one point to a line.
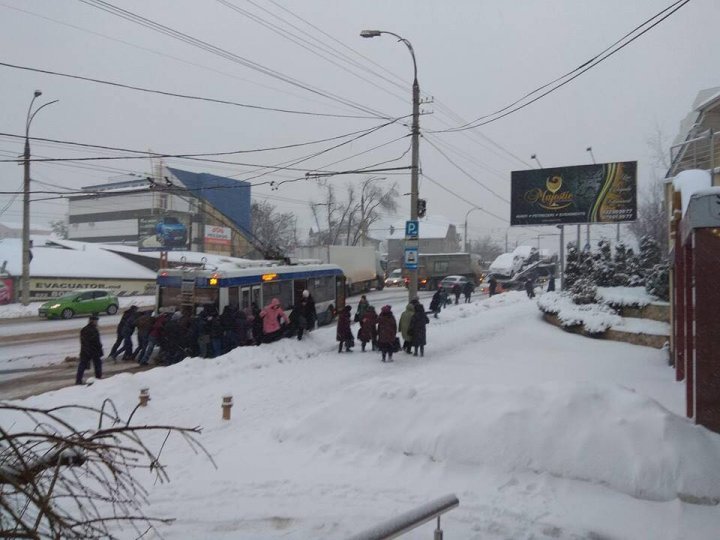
54	306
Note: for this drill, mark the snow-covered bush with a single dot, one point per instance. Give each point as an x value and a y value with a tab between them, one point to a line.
594	318
657	282
649	255
572	265
583	291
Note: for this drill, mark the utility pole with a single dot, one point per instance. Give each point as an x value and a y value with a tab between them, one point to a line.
25	279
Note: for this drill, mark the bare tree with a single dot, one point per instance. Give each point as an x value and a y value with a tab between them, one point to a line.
275	231
487	248
59	481
60	228
348	221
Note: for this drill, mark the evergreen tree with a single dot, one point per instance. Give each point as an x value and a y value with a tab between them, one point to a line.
604	271
649	255
583	291
572	266
633	270
621	265
658	281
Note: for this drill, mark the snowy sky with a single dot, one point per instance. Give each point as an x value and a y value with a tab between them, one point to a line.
474	58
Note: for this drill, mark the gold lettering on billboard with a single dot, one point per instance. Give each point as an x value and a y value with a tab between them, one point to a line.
551	198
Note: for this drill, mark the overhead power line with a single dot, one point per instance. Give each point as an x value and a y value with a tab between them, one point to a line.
461	197
556	83
186	96
208	47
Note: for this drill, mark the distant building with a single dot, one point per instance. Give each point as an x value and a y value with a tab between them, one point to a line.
216	209
14	230
434	238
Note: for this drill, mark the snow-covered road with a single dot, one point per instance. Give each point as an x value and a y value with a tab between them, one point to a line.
540	433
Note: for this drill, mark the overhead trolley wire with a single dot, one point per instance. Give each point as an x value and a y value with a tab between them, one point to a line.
208	47
572	74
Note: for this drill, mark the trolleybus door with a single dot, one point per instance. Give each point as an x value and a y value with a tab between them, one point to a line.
256	296
245	300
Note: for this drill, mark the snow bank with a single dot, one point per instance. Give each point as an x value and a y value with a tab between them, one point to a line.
596	318
625	296
643	326
16	311
603	434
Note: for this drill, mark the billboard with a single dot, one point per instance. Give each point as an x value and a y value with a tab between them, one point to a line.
164	233
602	193
218	236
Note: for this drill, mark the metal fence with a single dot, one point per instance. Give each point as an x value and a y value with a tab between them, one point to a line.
408	521
700	152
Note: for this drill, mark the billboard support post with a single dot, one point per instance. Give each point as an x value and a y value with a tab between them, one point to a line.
562	257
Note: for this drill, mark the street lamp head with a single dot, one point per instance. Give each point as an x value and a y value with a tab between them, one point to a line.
588	149
533	156
38	93
370	33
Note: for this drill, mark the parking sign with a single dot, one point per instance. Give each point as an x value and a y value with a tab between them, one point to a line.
412	228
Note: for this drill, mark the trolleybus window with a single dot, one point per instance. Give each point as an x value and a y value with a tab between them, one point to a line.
323	288
282	290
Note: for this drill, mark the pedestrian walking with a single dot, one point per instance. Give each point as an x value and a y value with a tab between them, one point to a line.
368	329
530	288
468	289
362	306
344	332
418	331
144	324
405	319
272	317
435	303
444	297
125	329
386	331
91	350
492	286
551	283
307	314
456	290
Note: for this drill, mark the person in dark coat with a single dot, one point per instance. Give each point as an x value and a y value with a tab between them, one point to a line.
91	350
551	283
344	332
144	324
387	329
125	330
362	306
418	331
492	286
436	303
444	297
307	302
530	288
173	340
154	337
468	289
228	321
456	290
368	328
257	332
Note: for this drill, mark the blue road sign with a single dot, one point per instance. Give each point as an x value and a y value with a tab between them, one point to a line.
412	229
411	258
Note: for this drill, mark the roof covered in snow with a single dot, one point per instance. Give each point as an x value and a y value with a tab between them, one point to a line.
90	262
689	182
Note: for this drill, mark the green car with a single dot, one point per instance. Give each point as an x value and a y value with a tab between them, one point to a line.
80	303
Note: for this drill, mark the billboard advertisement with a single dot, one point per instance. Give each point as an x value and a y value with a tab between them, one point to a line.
218	236
602	193
164	233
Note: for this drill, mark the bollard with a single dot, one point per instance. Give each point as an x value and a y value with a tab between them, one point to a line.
144	396
227	403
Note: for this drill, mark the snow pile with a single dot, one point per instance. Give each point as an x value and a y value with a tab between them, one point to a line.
625	296
603	434
689	182
596	318
643	326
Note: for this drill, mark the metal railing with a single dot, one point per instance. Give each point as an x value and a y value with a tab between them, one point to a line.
700	152
394	527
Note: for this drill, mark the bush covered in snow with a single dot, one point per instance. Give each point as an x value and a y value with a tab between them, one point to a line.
583	291
595	318
658	281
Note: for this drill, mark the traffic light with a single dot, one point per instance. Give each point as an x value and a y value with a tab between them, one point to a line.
421	207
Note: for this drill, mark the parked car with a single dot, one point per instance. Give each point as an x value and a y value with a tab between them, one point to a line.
395	279
448	282
80	303
171	232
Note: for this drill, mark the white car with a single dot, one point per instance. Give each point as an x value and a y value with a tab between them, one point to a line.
448	282
395	279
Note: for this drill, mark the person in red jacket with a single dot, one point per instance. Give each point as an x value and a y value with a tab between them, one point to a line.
344	332
387	329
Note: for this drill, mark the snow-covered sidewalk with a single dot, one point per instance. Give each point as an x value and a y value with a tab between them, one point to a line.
540	433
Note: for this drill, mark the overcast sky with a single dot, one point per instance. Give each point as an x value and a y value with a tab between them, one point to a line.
474	57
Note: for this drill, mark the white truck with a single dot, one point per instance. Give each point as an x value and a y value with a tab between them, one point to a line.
360	264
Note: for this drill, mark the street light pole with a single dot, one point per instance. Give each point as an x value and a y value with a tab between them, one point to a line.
25	279
414	170
467	244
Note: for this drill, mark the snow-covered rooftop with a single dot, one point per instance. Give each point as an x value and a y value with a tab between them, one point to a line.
689	182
